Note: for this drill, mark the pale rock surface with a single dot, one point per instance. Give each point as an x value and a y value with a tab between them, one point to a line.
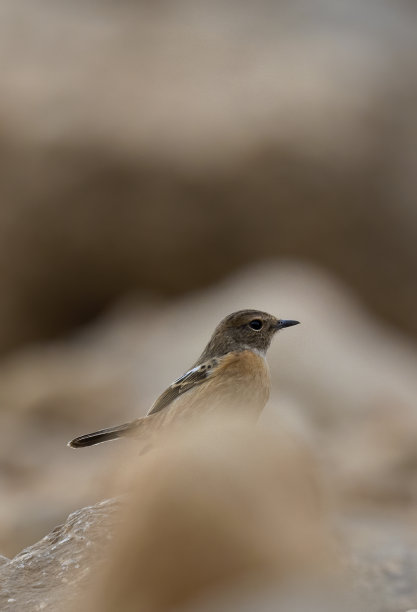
380	559
48	574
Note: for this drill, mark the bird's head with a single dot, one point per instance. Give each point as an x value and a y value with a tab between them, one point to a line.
245	329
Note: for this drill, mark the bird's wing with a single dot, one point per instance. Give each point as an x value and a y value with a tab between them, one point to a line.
187	381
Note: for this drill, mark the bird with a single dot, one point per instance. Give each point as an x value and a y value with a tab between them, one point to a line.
231	374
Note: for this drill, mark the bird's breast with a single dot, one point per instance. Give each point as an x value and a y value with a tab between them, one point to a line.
240	382
245	376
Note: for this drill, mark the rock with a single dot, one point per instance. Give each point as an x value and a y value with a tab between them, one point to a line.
56	568
216	505
383	557
213	506
218	517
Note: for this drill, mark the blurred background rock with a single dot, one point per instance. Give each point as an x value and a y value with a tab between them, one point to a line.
159	146
163	164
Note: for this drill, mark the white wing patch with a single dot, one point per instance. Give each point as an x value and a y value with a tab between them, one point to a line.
187	374
184	383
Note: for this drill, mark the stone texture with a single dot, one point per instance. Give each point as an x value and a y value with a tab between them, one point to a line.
62	571
50	573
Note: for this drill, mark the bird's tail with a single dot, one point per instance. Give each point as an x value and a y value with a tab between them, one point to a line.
103	435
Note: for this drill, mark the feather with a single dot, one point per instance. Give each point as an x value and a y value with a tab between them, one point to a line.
187	381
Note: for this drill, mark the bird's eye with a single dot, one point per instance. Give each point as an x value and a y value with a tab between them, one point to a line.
256	324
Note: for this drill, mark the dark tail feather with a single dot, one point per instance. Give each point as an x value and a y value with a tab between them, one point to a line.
103	435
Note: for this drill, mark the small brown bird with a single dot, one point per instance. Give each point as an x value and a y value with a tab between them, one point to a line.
231	373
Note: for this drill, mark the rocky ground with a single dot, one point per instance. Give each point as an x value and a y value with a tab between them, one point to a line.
376	555
47	574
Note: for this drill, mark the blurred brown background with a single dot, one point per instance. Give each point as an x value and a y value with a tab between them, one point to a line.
163	164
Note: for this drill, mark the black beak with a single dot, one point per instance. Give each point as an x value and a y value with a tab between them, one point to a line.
286	323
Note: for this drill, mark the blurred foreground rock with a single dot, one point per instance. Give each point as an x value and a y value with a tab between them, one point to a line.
216	506
209	508
218	518
53	573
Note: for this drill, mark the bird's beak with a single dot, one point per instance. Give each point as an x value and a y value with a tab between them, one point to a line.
286	323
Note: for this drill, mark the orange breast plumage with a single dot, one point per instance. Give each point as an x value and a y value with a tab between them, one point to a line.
240	382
